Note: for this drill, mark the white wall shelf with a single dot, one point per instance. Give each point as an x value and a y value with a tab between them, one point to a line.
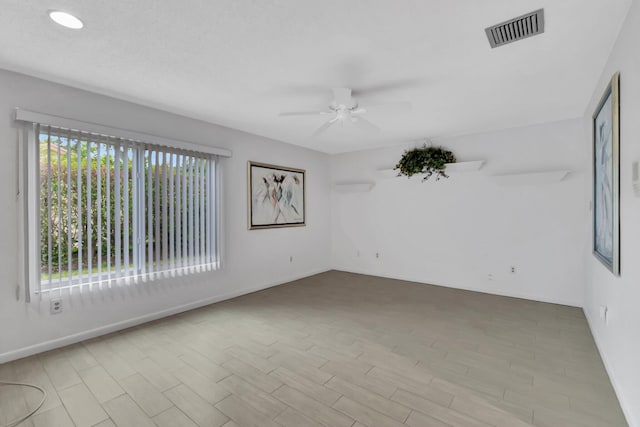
387	173
530	178
452	168
471	166
353	187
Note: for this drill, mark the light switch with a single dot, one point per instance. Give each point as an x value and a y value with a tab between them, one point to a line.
635	169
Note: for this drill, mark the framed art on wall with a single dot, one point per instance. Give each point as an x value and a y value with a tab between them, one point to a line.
606	177
277	196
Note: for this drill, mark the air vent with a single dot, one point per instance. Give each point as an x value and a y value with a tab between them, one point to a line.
516	29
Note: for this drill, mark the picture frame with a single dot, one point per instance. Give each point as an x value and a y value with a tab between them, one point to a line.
276	196
606	177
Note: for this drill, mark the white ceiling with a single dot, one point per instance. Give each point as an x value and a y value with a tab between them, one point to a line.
240	62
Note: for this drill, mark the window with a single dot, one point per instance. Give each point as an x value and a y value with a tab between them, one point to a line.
111	211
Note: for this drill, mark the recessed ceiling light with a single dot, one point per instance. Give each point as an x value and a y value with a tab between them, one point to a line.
65	19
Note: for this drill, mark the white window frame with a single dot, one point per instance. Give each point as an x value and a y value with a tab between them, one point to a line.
28	188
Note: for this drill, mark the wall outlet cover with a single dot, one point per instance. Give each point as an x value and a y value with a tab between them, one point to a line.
604	311
55	305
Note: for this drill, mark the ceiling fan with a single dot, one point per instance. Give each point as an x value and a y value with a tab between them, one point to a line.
344	108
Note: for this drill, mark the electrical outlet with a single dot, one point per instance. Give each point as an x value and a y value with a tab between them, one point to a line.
291	258
513	270
635	168
604	313
55	305
490	276
377	255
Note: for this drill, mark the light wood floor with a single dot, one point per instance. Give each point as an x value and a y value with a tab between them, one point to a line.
336	349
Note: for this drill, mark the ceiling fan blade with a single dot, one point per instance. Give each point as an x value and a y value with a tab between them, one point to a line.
303	113
374	89
342	96
297	90
322	129
365	124
383	106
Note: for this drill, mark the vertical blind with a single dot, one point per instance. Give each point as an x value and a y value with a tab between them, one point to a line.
117	211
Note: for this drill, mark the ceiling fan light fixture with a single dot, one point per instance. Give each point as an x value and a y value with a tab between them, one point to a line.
65	19
345	108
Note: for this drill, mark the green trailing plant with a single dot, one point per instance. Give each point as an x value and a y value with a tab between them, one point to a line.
425	160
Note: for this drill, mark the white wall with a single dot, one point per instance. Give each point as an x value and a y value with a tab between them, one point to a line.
456	232
619	339
252	259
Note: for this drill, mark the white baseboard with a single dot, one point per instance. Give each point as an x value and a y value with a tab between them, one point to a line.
465	288
114	327
626	409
